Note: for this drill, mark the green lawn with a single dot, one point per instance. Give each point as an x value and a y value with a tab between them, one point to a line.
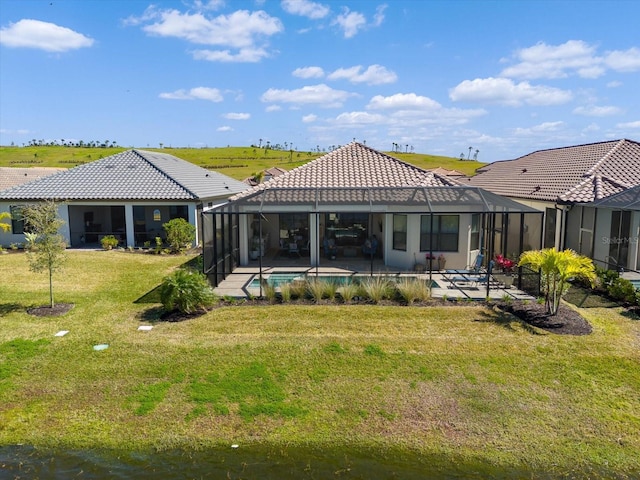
236	162
459	381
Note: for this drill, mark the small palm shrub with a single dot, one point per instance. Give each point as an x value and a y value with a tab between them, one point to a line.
377	289
348	291
109	242
187	291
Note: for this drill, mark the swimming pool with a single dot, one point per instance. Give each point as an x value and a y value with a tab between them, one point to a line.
279	278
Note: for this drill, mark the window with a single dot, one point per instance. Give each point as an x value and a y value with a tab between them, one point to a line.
178	211
549	228
347	229
444	237
156	215
17	223
400	232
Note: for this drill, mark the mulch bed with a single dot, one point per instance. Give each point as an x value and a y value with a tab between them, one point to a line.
566	322
47	311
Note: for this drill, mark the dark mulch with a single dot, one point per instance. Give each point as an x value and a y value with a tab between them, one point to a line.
46	311
566	322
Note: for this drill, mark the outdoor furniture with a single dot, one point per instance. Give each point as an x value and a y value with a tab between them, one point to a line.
471	269
474	279
293	249
370	246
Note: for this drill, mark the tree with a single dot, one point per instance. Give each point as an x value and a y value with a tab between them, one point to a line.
5	226
45	246
557	268
180	233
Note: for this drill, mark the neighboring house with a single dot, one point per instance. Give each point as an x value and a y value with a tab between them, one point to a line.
267	175
336	205
13	176
563	183
129	195
617	229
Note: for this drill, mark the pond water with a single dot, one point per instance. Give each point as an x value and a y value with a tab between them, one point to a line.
257	462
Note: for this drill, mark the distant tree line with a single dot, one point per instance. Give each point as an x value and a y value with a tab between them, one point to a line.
72	143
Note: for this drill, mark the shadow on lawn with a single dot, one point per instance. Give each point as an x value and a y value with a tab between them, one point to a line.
7	308
505	320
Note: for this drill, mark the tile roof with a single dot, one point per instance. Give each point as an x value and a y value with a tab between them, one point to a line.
575	174
12	176
130	175
354	166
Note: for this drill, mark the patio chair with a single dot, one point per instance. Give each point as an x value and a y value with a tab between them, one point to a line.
476	268
293	249
474	279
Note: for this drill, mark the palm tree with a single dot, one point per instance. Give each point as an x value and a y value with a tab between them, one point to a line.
557	268
469	156
5	226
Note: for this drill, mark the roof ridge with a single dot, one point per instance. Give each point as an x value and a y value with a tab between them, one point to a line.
163	172
604	158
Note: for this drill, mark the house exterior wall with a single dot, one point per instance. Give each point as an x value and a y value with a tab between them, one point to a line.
74	227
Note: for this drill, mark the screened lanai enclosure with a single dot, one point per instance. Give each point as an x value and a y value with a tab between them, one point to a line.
377	228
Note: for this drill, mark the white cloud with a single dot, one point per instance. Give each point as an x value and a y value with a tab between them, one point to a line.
350	22
314	94
545	127
309	118
378	18
305	8
403	101
359	118
240	32
614	84
635	124
595	111
572	57
504	91
197	93
623	61
237	116
308	72
244	55
556	61
273	108
373	75
225	128
46	36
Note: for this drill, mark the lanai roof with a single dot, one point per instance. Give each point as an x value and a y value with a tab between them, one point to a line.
130	175
359	175
627	200
576	174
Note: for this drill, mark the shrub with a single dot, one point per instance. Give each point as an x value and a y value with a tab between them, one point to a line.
285	292
316	289
348	291
377	288
186	291
108	242
412	289
180	234
622	289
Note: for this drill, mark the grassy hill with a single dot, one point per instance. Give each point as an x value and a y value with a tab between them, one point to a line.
236	162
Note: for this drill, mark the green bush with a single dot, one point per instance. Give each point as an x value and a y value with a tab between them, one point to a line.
186	291
180	234
622	289
108	242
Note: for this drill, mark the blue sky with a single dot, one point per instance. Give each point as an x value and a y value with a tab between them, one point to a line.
505	77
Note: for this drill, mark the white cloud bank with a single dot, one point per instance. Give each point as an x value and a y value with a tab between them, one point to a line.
45	36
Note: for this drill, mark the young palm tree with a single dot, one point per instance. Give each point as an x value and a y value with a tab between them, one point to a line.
5	226
557	268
